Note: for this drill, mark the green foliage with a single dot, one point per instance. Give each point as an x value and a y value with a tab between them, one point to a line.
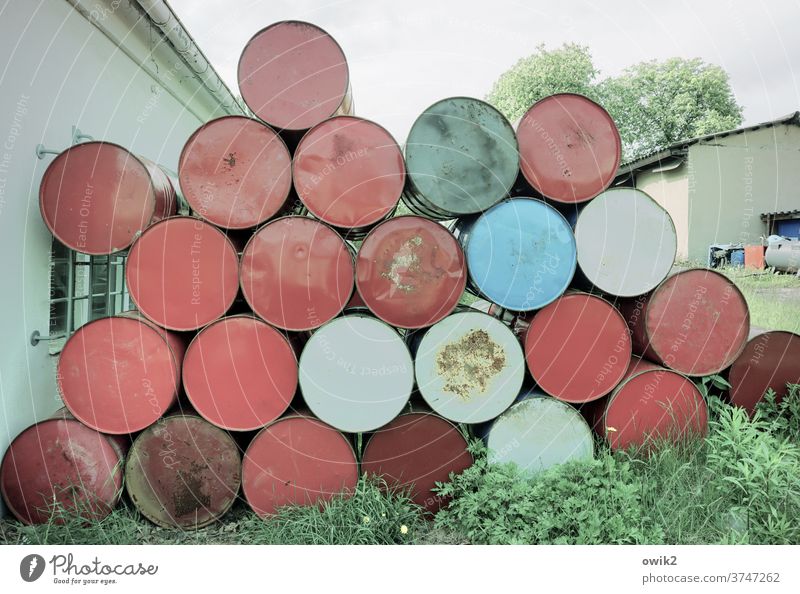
589	502
712	384
783	418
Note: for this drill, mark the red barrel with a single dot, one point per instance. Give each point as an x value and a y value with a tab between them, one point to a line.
569	148
415	451
349	172
183	472
117	375
235	172
182	273
651	403
297	460
411	272
293	75
177	342
695	322
297	273
96	197
61	461
768	362
578	348
240	373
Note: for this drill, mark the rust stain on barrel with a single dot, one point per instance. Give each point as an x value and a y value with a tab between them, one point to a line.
468	364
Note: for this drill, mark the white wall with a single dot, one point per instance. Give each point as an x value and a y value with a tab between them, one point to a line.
57	70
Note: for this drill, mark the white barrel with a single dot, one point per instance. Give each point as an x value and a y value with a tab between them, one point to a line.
356	373
469	367
538	432
626	242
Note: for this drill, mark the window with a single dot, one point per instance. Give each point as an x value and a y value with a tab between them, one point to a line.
83	288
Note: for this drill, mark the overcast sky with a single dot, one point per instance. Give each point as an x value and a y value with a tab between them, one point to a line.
406	54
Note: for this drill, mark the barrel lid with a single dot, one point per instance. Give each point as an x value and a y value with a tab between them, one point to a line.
95	197
578	348
63	460
769	361
521	254
654	404
297	273
349	172
235	172
297	460
240	373
626	242
569	147
182	273
293	75
415	451
356	373
697	322
410	272
469	367
462	155
117	375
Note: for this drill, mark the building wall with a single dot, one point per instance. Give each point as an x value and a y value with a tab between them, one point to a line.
670	189
59	70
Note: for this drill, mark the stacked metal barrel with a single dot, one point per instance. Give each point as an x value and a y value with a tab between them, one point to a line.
292	331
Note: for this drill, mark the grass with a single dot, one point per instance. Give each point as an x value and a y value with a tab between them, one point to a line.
773	298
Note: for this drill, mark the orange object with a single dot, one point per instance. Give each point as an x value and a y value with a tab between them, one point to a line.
754	256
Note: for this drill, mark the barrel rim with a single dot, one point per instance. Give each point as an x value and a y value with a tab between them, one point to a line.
734	366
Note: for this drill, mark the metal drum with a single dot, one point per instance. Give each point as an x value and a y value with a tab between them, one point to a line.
240	373
469	367
651	404
695	322
235	172
461	157
183	472
520	253
118	375
96	197
536	433
578	348
297	460
769	361
415	451
783	254
293	75
177	342
626	242
569	148
349	172
356	373
297	273
60	465
182	273
410	272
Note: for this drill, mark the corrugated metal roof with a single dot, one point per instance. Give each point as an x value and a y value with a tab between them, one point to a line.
780	213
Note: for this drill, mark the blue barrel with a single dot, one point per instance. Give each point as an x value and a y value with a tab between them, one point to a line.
520	253
737	258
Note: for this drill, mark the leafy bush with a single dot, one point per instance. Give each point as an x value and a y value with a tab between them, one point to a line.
782	417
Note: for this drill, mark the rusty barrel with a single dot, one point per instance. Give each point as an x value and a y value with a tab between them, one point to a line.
626	242
182	273
415	451
297	273
410	272
462	158
349	172
96	197
695	322
769	361
536	433
61	466
578	347
183	472
650	405
520	253
297	460
356	373
118	375
240	373
293	75
569	148
469	367
235	172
